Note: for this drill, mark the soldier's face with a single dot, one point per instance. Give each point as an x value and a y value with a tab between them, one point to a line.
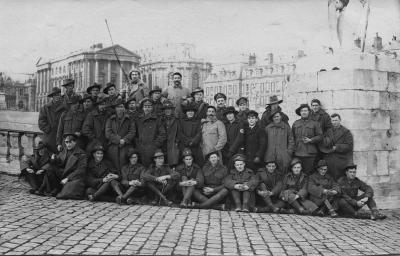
271	167
88	103
304	112
214	158
95	91
120	109
156	95
277	118
315	107
335	121
252	120
351	173
69	88
242	106
168	111
102	107
296	169
133	159
239	165
177	80
57	98
188	160
198	96
135	76
322	170
221	102
190	114
210	112
112	91
98	155
70	143
147	108
132	105
41	152
230	116
159	160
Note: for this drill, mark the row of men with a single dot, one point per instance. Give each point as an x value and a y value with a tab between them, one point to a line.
173	122
72	174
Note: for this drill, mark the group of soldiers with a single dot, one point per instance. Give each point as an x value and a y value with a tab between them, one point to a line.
172	148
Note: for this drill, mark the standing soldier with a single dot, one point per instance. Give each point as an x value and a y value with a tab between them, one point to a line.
338	147
49	116
94	91
189	134
280	143
132	109
199	104
155	96
70	97
137	88
151	132
120	131
220	99
177	93
171	128
272	107
254	141
307	134
72	120
241	182
319	115
94	125
213	133
243	104
235	136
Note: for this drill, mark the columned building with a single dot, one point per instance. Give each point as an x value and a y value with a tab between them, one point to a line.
96	64
159	63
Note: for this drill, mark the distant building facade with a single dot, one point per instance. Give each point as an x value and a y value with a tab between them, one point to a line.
257	82
17	95
159	63
96	64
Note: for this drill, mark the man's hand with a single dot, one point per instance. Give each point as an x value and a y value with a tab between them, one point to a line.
64	181
208	190
122	142
53	156
245	187
39	172
238	187
78	134
134	183
29	170
59	148
112	176
334	148
364	200
332	192
360	203
296	197
256	160
306	140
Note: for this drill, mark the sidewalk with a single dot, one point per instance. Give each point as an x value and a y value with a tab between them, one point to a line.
31	224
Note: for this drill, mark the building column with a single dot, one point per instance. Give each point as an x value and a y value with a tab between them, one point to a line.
84	81
121	78
38	83
48	80
96	71
109	71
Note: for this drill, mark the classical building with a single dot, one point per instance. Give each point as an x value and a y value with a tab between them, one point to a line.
17	95
248	79
159	63
96	64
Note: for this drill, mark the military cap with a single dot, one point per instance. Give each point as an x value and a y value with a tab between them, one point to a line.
85	97
229	110
177	73
350	166
212	153
129	100
295	161
239	157
219	95
274	100
210	106
252	113
155	89
67	81
70	135
321	163
316	101
168	105
269	161
95	85
108	86
187	152
97	148
145	100
197	90
54	91
241	100
301	107
158	153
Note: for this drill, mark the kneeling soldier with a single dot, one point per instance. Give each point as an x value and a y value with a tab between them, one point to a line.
132	178
241	182
270	187
351	202
323	190
190	176
160	178
213	191
102	176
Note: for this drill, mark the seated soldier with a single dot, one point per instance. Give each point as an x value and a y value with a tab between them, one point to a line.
33	168
294	190
190	177
67	172
213	190
132	178
351	202
102	177
270	188
241	182
323	190
161	179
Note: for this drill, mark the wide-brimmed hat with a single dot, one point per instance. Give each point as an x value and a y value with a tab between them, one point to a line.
158	153
67	81
274	100
239	157
177	73
219	95
321	163
155	89
144	100
350	165
168	105
95	85
304	105
242	99
197	90
252	113
54	91
85	97
108	86
295	161
212	153
229	110
187	152
97	148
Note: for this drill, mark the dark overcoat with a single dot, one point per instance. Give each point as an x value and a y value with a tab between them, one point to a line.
316	185
201	110
97	171
214	176
189	136
306	128
191	173
350	188
254	145
94	128
132	172
235	138
270	181
153	172
266	116
49	116
220	114
294	185
172	147
246	176
322	118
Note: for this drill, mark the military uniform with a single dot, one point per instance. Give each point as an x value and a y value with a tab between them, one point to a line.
271	181
133	172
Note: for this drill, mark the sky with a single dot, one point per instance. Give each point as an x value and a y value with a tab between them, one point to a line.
221	30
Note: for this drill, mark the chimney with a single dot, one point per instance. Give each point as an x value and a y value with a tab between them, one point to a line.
270	58
252	59
377	43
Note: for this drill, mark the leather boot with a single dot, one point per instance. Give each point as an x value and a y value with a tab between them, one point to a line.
331	210
246	199
101	191
300	209
187	196
236	199
214	199
129	192
161	195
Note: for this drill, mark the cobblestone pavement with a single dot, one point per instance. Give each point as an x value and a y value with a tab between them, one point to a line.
38	225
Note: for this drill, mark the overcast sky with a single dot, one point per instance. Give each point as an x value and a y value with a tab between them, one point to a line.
221	30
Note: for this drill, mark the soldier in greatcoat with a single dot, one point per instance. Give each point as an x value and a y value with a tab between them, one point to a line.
234	134
254	141
70	97
243	105
273	107
155	96
171	127
137	89
199	104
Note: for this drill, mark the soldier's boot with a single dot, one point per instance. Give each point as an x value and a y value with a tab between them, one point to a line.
270	205
376	215
187	196
236	199
101	191
159	194
332	211
117	189
299	209
215	199
246	199
126	197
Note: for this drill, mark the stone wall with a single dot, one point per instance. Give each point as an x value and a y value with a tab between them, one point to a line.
368	102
